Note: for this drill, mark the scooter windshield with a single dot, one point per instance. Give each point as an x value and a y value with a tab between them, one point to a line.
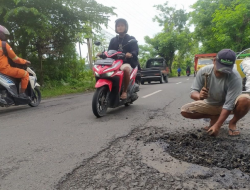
107	61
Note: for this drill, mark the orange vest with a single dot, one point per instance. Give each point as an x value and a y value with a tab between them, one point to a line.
4	64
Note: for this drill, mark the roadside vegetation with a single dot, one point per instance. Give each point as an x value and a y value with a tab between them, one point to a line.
46	33
208	28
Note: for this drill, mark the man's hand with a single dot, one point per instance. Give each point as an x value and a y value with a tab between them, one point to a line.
129	55
28	63
214	130
203	93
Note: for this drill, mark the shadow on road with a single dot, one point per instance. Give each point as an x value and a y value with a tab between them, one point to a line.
122	109
13	109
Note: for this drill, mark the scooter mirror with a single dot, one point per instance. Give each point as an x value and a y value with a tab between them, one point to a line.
97	43
44	56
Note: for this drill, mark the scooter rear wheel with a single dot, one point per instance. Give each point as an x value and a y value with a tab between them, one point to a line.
99	102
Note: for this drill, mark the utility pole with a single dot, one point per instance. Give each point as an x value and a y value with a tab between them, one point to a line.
80	50
90	52
93	51
89	44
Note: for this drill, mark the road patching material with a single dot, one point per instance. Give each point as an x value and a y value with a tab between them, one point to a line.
199	148
145	160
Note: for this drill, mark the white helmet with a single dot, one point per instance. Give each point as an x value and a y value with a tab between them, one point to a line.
4	30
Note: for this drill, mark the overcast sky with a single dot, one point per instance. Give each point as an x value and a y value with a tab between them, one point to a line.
139	15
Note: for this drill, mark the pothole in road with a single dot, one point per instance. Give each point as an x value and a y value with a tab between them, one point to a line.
138	162
207	151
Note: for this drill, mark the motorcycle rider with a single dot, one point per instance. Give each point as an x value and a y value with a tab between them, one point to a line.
188	70
5	67
131	51
179	71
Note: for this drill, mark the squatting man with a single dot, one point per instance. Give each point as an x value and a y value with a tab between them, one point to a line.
222	97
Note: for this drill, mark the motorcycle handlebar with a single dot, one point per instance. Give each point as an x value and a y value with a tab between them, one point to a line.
119	56
103	56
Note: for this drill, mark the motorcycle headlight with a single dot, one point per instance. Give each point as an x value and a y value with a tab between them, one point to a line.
109	74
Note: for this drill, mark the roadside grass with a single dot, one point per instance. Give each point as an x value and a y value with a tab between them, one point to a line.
83	82
64	90
58	88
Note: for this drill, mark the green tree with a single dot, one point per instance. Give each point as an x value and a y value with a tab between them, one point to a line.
170	17
103	37
51	27
175	39
221	24
201	18
146	52
165	44
232	26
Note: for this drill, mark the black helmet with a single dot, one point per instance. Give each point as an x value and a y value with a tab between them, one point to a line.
122	20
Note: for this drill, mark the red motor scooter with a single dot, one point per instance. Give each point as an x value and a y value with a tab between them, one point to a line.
109	82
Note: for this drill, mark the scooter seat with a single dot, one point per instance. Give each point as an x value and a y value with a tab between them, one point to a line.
10	79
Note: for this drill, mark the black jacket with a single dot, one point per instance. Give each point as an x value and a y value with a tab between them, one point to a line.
132	48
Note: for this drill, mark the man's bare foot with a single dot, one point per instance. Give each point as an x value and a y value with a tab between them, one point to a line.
214	131
233	131
124	96
212	122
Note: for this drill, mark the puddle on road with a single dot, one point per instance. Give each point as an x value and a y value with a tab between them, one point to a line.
204	150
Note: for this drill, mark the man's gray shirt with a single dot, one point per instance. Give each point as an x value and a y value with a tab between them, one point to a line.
222	91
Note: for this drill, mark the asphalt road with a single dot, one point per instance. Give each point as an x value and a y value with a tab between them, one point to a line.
39	146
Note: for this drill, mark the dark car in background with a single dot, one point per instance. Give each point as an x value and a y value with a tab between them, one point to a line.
156	70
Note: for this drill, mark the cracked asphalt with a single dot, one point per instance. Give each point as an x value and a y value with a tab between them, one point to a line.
61	145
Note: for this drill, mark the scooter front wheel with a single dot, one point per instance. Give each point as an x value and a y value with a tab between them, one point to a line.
36	99
100	102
